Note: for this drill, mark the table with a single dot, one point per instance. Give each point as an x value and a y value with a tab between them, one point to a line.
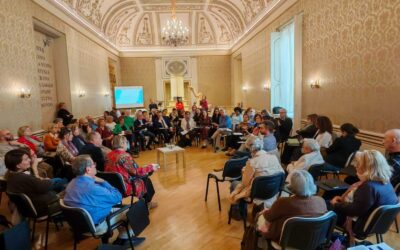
174	150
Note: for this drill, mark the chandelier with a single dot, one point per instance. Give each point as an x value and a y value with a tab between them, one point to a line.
174	33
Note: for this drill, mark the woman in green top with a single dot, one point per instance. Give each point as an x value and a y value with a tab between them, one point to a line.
121	129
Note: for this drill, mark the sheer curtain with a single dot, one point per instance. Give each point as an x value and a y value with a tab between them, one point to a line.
282	69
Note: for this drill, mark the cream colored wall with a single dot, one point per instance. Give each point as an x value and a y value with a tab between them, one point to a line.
352	47
214	79
87	66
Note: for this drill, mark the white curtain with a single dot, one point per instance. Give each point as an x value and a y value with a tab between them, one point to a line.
282	69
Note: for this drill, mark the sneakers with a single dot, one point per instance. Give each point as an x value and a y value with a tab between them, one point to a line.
152	204
125	242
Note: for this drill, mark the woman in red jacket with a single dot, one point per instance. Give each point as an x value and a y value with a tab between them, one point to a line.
179	104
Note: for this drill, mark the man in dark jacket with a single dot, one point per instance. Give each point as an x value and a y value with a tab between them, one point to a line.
93	149
284	125
391	142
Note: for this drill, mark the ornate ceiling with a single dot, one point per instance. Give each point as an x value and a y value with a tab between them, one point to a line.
136	24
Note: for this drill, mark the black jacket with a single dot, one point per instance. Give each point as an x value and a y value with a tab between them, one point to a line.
341	149
394	161
284	128
308	131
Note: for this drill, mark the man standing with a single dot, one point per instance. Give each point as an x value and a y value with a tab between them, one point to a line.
93	149
285	125
391	142
96	196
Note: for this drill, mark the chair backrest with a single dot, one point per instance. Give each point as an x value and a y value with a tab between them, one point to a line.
115	180
266	187
78	218
24	204
307	232
16	237
381	219
315	170
233	167
350	160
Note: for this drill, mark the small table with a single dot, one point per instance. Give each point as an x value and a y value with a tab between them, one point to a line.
174	150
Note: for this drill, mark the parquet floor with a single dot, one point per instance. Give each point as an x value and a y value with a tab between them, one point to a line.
182	219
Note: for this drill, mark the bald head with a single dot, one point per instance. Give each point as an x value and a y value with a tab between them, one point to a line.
391	140
5	135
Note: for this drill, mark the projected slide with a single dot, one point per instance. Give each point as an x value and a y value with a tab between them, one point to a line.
129	97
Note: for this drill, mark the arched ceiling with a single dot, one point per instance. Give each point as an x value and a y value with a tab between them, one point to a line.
136	24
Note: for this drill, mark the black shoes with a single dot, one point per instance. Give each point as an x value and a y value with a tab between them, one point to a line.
125	242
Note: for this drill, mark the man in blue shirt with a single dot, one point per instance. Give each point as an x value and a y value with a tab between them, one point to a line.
95	195
266	130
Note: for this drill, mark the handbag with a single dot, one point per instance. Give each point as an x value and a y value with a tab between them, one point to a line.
138	216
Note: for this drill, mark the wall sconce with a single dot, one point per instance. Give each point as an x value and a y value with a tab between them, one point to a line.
245	88
266	87
25	93
315	84
81	93
106	94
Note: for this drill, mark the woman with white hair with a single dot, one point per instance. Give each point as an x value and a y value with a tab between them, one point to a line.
303	203
311	156
261	164
373	190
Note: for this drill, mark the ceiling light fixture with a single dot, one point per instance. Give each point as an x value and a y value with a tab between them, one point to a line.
174	33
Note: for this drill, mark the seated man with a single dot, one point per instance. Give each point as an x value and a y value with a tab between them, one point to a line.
96	196
285	125
188	130
93	149
162	125
391	142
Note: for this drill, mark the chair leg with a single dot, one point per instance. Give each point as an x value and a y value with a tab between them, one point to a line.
208	181
33	229
230	215
219	199
129	235
47	233
75	241
377	239
397	225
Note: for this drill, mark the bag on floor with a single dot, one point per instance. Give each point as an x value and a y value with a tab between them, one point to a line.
250	238
138	216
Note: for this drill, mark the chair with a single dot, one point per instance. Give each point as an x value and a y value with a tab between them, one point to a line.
26	209
262	188
315	170
306	232
81	223
232	171
3	187
116	180
397	190
21	232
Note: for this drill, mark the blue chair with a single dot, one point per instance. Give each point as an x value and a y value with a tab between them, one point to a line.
16	237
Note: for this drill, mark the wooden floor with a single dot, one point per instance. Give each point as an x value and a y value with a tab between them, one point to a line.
182	220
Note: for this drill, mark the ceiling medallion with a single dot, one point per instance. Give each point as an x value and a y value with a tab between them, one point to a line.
174	33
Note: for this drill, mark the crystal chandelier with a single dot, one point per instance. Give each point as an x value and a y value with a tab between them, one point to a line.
174	33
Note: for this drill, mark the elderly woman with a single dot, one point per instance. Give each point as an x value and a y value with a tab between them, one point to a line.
66	149
373	190
78	140
105	132
50	139
119	161
20	179
302	203
261	164
311	156
33	142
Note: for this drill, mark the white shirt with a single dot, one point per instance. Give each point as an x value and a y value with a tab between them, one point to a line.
111	125
306	161
324	140
192	124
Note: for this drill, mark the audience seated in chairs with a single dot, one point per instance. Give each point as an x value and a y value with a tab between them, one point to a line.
163	125
105	133
84	127
223	126
311	156
51	139
66	150
78	140
142	128
33	142
373	190
7	143
343	147
284	126
232	141
302	203
93	149
22	177
96	196
324	133
261	164
121	129
187	130
391	142
310	129
136	178
110	123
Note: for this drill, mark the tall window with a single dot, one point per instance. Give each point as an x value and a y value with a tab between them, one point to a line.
282	68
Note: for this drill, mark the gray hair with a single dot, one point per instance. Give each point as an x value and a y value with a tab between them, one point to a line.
302	183
80	164
312	144
257	145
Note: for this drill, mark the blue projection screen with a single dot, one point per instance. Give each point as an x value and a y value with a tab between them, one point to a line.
129	97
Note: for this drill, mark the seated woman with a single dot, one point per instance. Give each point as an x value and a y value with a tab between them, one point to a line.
343	146
324	133
311	156
66	150
223	124
50	139
78	140
105	132
373	190
119	161
142	130
33	142
237	117
261	164
121	129
110	124
214	122
204	124
302	203
20	179
232	141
